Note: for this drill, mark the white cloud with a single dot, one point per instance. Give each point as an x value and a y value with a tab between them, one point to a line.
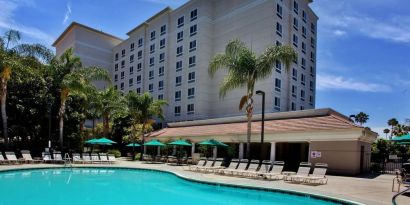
67	13
333	82
8	9
338	32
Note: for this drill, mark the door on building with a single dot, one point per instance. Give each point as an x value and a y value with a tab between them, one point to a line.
292	154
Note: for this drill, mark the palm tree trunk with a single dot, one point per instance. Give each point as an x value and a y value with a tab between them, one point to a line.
249	110
142	140
106	124
93	126
61	123
3	111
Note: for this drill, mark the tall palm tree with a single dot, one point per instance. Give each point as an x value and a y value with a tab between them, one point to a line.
393	123
361	118
110	101
143	109
244	68
386	131
72	78
16	58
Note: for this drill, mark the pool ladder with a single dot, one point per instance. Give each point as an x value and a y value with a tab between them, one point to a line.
398	194
67	160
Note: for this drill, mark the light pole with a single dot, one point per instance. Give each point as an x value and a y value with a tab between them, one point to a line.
260	92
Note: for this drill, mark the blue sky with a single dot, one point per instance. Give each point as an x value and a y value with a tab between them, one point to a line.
363	45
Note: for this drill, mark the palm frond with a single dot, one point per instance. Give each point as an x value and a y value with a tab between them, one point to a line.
235	48
218	62
37	51
11	36
232	81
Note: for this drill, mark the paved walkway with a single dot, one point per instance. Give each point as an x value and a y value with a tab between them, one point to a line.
375	191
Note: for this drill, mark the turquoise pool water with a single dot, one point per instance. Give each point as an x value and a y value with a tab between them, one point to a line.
88	186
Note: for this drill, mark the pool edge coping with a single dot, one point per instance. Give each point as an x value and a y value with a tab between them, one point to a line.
179	175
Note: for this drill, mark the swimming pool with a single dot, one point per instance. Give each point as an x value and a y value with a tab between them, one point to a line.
109	186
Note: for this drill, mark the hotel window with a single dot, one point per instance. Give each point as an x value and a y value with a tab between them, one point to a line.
180	36
304	16
278	66
278	84
192	46
161	71
179	65
304	32
295	23
303	63
302	95
140	41
123	53
161	57
279	10
130	82
311	85
160	97
177	96
302	107
162	43
295	40
190	109
132	47
163	30
311	100
312	28
116	56
295	7
138	90
294	90
138	79
312	42
303	47
179	51
177	111
116	77
152	35
192	61
191	93
181	21
132	58
139	67
131	70
194	14
294	74
151	61
122	86
160	85
293	107
151	74
277	103
279	29
278	43
178	80
192	30
302	79
152	48
151	87
139	55
191	77
122	64
312	71
116	67
312	56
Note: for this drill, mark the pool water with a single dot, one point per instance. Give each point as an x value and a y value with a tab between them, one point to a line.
88	186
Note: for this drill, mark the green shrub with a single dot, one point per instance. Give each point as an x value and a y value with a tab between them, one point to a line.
137	156
115	152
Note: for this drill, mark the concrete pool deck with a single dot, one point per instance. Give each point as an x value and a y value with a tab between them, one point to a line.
375	191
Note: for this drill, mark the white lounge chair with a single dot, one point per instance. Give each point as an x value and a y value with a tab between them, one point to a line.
253	166
2	160
276	171
201	163
27	157
303	172
104	158
11	157
232	166
217	165
264	168
46	157
318	176
95	158
57	157
207	165
111	158
77	158
87	158
243	163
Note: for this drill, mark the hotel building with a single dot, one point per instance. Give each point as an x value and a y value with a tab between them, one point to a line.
168	54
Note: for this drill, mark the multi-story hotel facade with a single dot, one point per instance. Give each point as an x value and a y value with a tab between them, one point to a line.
168	54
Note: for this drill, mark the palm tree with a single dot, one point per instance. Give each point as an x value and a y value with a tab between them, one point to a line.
110	101
361	118
143	109
72	78
17	58
386	131
393	123
245	69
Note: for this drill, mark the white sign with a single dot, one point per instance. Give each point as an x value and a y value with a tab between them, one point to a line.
315	154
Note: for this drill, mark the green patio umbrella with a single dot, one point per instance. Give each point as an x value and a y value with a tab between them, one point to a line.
91	141
403	138
213	142
133	145
180	143
154	143
105	141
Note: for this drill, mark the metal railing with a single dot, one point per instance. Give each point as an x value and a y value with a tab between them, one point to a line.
398	194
